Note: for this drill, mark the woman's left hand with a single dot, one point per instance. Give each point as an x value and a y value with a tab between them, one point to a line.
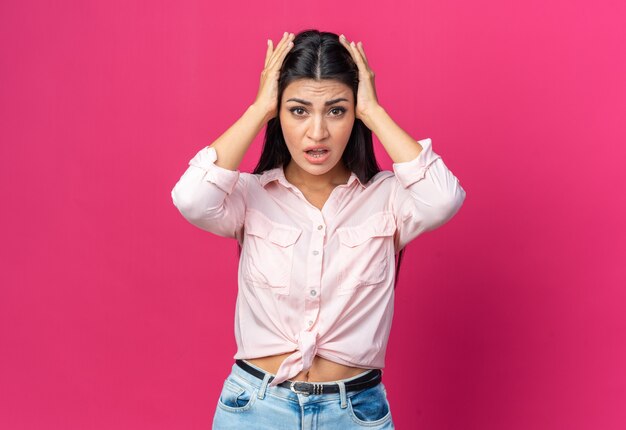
366	101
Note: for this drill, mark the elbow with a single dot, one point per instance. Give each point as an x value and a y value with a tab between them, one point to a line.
447	208
456	200
185	205
453	203
194	210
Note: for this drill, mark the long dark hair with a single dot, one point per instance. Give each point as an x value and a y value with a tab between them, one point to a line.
320	55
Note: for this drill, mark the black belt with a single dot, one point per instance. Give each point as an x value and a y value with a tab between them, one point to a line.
366	381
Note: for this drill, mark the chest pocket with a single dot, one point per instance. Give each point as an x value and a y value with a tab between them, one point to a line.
365	251
269	252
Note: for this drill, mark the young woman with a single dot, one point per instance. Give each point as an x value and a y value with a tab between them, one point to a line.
319	227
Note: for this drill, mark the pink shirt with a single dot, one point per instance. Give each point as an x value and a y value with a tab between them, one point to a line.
311	281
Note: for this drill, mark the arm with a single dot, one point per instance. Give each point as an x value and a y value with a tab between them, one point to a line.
210	197
211	194
426	194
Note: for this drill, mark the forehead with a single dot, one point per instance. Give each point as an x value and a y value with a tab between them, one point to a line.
317	91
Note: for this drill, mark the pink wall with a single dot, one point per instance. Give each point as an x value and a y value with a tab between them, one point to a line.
117	314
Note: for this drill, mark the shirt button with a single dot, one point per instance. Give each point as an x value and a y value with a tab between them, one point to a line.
319	227
315	252
313	292
310	323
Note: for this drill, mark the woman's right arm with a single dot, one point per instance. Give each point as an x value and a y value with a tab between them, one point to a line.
211	194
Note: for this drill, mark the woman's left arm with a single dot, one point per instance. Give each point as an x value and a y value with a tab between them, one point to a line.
427	194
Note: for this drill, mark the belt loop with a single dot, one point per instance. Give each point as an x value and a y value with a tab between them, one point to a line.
261	394
342	394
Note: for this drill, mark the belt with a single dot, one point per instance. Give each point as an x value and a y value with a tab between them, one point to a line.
366	381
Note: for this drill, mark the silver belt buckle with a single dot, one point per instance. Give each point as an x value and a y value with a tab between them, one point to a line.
292	387
318	388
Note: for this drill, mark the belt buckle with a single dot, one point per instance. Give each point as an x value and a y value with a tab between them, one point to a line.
293	388
317	388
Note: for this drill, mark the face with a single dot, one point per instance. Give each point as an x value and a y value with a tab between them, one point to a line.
317	114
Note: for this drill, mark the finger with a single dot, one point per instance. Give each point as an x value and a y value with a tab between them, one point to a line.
345	43
357	57
281	52
284	40
268	53
360	46
280	45
273	52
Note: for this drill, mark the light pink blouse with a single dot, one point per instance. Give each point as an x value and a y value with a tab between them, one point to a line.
317	282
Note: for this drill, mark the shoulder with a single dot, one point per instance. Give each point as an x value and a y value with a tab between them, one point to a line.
260	179
380	177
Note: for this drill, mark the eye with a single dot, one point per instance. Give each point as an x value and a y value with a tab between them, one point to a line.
338	109
294	109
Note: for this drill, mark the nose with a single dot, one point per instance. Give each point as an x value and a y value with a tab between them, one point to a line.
318	130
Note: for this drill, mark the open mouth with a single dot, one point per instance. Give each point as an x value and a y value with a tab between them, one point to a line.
317	153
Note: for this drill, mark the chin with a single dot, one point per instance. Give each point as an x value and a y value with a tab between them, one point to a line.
317	169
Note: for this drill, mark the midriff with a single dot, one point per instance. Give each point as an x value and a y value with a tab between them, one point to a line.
322	370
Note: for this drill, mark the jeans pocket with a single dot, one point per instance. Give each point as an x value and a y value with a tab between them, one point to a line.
370	407
236	395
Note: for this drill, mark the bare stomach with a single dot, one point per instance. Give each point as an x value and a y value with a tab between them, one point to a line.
322	370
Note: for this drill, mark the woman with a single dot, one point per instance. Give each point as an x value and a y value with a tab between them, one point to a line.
319	227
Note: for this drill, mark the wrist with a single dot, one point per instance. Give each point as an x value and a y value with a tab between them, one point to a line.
374	117
259	113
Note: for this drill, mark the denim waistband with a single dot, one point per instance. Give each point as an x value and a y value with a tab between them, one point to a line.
286	393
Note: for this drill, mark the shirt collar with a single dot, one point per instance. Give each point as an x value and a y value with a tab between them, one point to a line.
278	173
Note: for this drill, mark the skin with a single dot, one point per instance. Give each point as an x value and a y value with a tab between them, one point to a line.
305	125
313	124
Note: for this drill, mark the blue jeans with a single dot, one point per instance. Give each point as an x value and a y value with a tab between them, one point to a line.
247	402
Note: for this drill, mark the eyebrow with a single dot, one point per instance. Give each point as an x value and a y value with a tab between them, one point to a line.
308	103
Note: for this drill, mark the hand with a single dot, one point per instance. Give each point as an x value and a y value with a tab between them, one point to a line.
367	101
267	96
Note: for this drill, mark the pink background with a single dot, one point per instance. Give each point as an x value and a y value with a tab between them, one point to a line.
115	313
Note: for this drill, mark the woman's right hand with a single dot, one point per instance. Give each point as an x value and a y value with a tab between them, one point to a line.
267	97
